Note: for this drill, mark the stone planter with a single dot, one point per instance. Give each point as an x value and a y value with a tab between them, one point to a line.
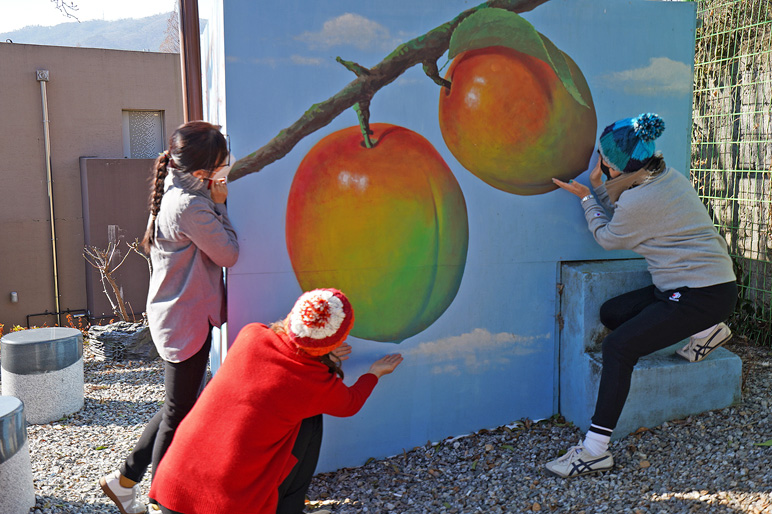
122	340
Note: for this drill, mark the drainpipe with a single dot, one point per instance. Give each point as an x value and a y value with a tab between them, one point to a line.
190	55
42	77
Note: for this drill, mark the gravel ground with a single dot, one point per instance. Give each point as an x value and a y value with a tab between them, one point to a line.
710	463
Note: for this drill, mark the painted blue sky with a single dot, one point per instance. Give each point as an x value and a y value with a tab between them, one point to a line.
280	59
629	69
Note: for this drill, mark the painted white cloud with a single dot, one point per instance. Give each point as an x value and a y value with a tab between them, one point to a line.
306	61
662	76
265	61
351	30
475	352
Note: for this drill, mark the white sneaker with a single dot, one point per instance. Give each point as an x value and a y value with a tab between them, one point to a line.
578	461
699	347
125	498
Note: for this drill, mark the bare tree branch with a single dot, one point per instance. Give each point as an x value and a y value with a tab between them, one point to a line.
102	261
425	49
136	246
67	8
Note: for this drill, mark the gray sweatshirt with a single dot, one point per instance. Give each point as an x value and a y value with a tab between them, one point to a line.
194	240
665	222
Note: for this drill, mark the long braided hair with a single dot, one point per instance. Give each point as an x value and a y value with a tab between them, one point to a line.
196	145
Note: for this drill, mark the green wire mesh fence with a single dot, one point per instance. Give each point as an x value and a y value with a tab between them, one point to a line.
731	163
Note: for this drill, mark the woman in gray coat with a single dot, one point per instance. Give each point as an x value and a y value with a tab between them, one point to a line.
190	240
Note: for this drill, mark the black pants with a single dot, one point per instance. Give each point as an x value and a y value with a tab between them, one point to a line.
183	382
292	492
644	321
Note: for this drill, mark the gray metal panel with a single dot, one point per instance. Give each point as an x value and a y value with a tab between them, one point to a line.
40	350
13	429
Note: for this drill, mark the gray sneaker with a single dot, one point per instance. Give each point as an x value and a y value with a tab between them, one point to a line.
578	461
699	347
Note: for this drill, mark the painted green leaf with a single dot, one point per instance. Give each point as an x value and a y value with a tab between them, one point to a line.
765	443
499	27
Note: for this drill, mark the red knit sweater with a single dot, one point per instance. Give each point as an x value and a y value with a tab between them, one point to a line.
233	450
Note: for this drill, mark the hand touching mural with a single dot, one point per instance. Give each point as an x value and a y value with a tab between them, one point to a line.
519	110
387	225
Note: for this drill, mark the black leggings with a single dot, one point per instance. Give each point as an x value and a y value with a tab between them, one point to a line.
644	321
292	492
183	382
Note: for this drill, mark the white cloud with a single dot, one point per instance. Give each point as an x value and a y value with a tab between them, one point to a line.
306	61
268	61
662	76
351	30
475	352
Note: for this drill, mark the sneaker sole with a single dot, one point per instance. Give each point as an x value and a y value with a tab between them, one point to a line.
579	474
111	495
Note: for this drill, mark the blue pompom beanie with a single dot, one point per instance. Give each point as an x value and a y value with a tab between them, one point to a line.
627	145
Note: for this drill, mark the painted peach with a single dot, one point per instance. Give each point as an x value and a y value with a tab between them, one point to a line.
386	225
510	121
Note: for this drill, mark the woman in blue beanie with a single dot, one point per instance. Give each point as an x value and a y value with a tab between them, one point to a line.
653	210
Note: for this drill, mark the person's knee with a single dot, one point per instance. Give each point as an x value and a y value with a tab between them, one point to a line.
609	315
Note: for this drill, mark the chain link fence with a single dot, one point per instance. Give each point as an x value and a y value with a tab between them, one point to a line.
731	163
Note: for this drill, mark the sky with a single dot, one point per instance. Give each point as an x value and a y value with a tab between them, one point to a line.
17	14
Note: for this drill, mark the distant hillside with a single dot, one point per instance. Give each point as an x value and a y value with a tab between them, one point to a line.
142	34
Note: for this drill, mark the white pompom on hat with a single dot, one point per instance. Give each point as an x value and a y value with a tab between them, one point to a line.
320	321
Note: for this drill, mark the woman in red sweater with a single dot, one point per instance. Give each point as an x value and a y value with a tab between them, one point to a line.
251	442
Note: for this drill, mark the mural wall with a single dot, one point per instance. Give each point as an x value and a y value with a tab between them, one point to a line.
442	226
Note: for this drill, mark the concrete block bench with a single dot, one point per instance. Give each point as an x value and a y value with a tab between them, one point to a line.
664	386
43	367
17	494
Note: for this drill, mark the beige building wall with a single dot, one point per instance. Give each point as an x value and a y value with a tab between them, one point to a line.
87	93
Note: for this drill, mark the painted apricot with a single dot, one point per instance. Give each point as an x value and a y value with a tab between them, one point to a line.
510	121
386	225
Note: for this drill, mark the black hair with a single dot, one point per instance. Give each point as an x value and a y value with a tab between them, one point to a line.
196	145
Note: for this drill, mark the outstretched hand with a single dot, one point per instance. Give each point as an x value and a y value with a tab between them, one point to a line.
385	365
342	352
572	186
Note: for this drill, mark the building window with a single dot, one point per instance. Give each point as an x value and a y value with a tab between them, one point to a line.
143	134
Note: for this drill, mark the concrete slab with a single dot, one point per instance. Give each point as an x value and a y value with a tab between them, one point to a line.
664	386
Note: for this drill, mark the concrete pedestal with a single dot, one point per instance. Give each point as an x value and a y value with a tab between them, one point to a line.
43	367
664	386
17	494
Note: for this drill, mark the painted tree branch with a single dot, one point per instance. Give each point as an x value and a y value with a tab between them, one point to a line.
425	50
